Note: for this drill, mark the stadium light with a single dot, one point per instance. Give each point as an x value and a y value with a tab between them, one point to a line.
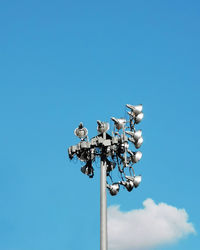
115	155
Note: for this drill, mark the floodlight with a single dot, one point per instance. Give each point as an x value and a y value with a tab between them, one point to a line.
110	165
135	156
136	135
119	123
129	185
138	156
136	179
139	118
114	188
102	126
81	132
135	109
139	142
113	151
88	169
72	151
70	154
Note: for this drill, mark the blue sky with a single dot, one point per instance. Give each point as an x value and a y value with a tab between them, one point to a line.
63	62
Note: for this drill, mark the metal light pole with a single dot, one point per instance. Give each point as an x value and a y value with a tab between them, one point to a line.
103	207
113	151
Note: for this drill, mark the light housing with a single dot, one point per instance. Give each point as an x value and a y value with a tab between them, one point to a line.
138	118
114	188
136	179
139	142
88	169
136	135
119	123
81	132
129	185
135	156
135	109
70	154
102	126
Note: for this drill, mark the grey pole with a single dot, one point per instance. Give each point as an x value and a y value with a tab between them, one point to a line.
103	203
103	207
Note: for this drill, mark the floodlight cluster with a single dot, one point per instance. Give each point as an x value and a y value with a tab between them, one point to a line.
113	149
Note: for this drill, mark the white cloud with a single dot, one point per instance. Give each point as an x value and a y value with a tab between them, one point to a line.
146	228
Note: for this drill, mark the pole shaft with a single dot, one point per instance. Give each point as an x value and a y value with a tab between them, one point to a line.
103	208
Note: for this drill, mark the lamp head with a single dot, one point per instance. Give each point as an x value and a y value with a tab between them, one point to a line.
139	142
114	188
135	156
139	118
135	109
70	153
129	185
102	126
136	179
88	169
81	132
119	123
136	135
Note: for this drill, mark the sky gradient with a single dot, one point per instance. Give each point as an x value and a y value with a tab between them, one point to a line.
63	62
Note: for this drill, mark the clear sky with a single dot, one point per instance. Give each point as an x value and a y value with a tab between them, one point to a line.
62	62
